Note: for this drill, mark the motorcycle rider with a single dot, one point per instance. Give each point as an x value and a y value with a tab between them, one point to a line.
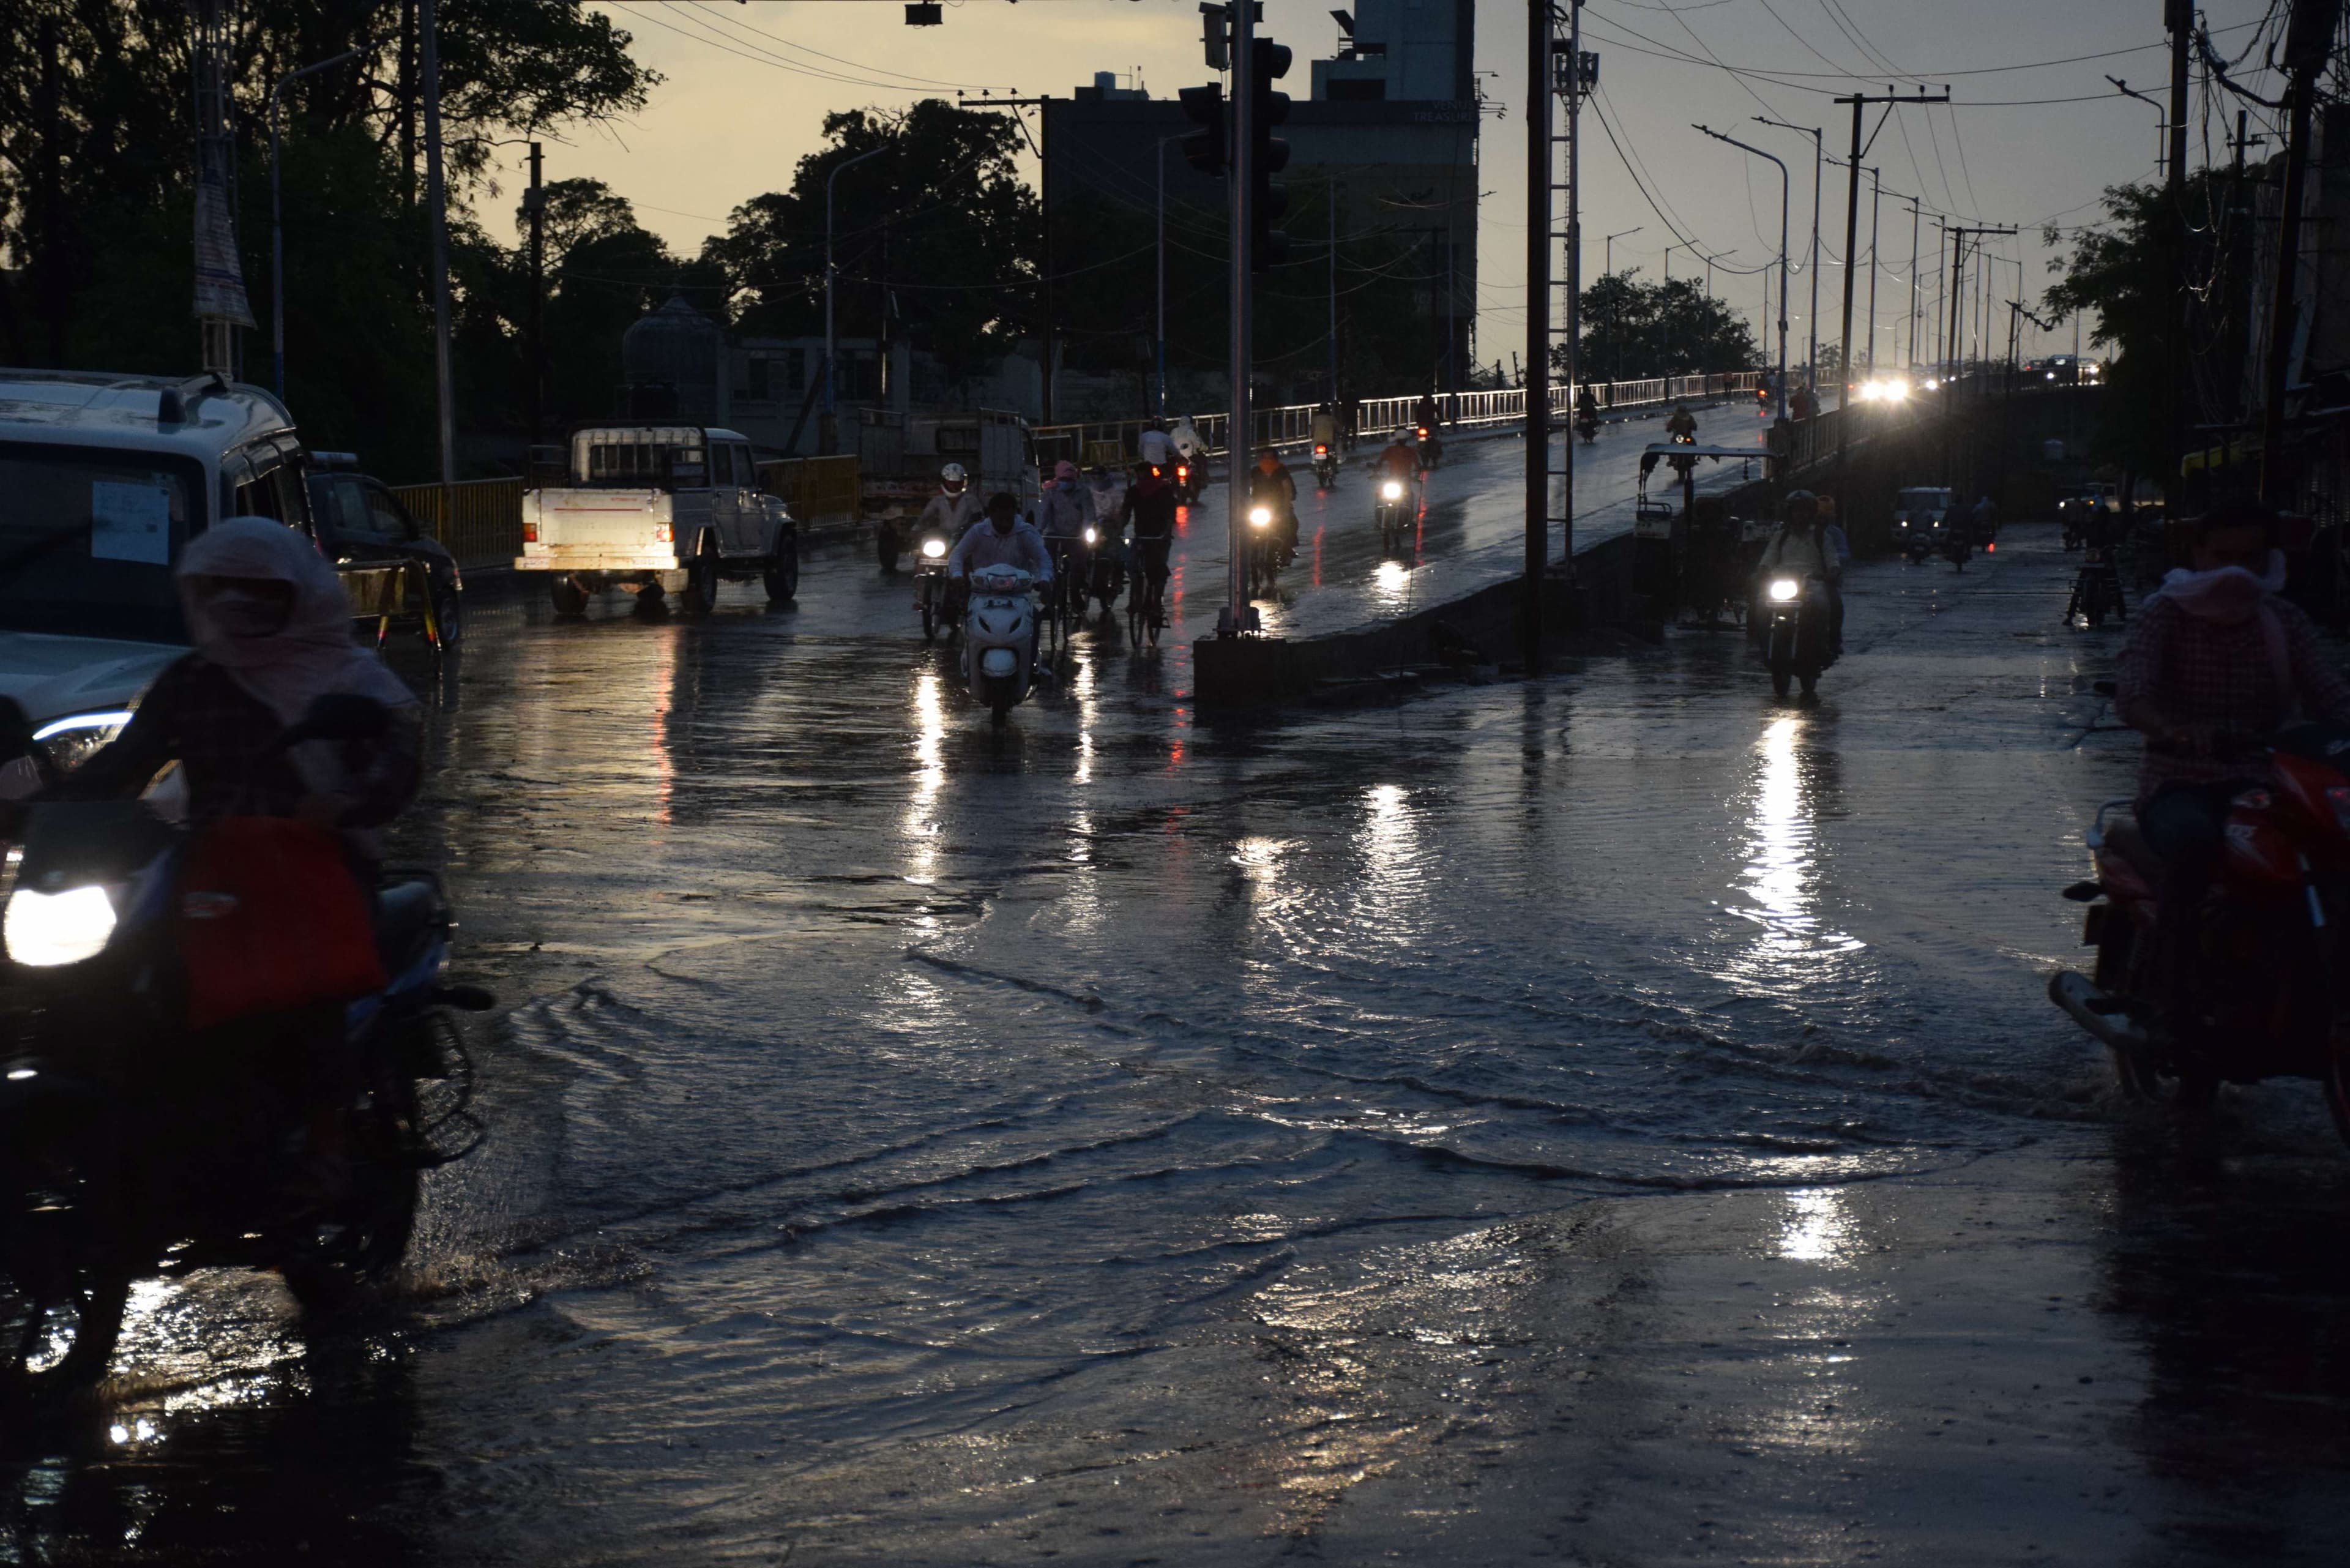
1186	442
1984	513
1002	539
1104	499
1156	446
1587	409
1423	412
1272	486
1325	427
1801	550
1399	461
1682	425
950	513
2217	655
271	628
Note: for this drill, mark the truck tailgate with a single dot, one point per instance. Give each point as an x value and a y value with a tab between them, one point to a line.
617	519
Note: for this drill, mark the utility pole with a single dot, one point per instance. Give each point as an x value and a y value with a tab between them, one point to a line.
2308	41
428	23
829	429
1819	163
221	303
1581	75
277	217
1958	232
1859	101
1914	285
2179	16
1876	199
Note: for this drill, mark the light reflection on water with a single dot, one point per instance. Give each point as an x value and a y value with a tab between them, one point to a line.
1815	1229
1388	902
921	828
1391	586
1783	869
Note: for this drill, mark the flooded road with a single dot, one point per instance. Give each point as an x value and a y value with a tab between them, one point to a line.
1609	1119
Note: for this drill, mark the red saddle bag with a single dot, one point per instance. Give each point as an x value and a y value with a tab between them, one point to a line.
270	919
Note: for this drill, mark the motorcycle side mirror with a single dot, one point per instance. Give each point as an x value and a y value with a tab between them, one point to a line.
337	716
16	731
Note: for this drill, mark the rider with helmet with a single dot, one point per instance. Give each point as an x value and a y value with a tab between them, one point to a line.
952	511
1271	485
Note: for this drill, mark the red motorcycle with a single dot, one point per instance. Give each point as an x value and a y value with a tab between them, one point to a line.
2265	996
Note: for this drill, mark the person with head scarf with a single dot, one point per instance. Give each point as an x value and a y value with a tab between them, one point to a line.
271	628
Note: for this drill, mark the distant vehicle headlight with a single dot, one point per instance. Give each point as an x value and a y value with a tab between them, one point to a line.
1785	588
1259	517
75	739
44	929
933	549
2052	375
1392	490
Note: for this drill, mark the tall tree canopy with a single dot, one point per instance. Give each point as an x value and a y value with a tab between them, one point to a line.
1633	329
935	238
95	172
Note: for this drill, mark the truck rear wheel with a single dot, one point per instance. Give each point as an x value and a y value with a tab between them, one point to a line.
570	598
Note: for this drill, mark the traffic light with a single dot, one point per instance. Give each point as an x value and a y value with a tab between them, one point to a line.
1206	149
1268	154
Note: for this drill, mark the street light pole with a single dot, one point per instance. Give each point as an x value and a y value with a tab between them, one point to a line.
1783	184
1160	352
1819	166
277	223
535	203
830	270
1607	270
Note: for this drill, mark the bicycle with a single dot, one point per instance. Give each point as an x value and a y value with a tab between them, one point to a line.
1146	609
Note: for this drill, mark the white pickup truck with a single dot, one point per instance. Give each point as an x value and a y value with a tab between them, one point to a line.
662	508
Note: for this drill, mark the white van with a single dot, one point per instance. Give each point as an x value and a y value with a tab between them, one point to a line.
663	508
103	479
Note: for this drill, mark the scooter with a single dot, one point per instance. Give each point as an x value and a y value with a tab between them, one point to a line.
937	595
147	973
1326	465
1795	644
1917	540
2263	995
1392	514
999	639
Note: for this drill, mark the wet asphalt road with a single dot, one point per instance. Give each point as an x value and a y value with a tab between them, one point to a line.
1611	1118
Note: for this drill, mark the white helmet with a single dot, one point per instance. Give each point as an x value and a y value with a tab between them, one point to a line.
953	473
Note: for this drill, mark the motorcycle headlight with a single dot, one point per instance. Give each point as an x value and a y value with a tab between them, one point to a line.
43	930
934	549
75	739
1392	490
1785	588
1261	517
1091	536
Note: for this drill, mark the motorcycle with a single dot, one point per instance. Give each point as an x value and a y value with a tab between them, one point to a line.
1393	512
1431	449
938	596
1268	550
1795	643
1186	483
2097	589
1326	465
999	639
2266	947
140	1137
1587	428
1919	540
1955	543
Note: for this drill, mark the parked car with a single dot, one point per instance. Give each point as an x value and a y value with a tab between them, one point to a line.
396	574
103	481
662	508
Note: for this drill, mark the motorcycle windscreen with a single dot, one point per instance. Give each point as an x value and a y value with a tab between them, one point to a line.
270	919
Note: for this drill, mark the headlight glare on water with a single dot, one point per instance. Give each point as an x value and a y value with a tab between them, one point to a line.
43	930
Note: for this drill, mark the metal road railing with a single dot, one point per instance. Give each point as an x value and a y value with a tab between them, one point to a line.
481	523
1292	424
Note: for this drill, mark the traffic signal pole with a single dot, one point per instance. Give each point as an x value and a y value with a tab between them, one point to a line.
1239	614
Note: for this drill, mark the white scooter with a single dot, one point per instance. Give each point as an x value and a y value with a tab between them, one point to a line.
999	639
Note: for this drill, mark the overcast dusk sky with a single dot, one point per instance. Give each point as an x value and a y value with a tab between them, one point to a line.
747	88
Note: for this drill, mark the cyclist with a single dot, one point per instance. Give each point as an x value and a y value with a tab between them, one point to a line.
1061	518
1149	509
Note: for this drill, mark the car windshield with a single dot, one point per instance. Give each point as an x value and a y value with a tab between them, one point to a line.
1920	500
640	459
87	536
